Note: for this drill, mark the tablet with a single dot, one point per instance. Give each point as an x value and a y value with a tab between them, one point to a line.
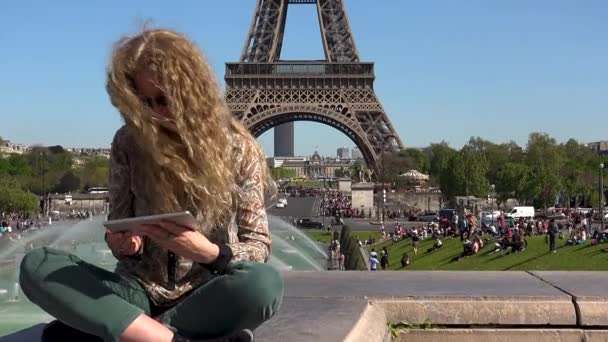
132	223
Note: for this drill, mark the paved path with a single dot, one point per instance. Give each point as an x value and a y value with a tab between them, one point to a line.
297	207
354	306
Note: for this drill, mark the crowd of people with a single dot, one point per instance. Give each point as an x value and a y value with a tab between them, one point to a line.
506	234
336	204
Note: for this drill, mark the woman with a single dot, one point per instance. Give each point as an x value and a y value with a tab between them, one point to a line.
180	149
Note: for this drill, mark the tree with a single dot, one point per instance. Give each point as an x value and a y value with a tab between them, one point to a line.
418	158
14	199
466	174
282	173
94	172
350	248
340	173
394	164
68	183
512	181
440	157
544	160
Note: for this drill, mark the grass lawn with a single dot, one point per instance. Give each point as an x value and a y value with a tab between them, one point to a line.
325	237
536	257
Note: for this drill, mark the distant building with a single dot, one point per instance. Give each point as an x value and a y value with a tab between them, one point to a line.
357	153
311	167
600	147
343	152
7	147
86	151
284	140
274	162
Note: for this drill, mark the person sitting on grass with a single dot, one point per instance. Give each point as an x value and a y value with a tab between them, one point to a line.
467	248
405	260
436	245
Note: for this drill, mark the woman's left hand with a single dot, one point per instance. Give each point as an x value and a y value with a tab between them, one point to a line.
187	242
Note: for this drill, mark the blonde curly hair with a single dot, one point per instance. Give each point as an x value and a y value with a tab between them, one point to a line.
192	164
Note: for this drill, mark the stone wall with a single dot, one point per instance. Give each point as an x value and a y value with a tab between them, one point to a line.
363	196
344	185
94	205
421	200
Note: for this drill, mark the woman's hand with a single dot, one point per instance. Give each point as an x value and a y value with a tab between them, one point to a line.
187	242
123	243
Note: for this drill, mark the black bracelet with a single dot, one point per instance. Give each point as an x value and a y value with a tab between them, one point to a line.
220	265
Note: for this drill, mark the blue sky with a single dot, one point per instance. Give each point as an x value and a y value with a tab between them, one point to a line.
445	70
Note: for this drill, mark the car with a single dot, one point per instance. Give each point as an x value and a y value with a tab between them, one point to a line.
447	213
280	205
283	201
597	217
428	217
308	223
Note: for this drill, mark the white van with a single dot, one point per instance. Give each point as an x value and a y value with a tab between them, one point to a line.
525	212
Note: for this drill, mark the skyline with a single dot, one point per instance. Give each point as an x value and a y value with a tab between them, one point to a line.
444	71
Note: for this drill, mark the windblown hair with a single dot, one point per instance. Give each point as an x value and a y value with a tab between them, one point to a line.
190	164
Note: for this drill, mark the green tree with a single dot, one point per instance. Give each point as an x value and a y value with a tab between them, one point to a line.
418	158
395	163
466	174
512	181
340	173
282	173
14	199
440	156
350	248
93	172
68	183
544	160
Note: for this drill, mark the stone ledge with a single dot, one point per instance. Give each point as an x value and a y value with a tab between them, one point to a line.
325	320
480	312
354	306
589	290
446	298
492	335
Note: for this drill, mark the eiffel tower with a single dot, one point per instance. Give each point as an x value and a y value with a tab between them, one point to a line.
266	92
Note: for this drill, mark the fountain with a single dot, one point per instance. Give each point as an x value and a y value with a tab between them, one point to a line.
291	250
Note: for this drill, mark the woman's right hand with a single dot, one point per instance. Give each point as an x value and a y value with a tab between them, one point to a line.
123	244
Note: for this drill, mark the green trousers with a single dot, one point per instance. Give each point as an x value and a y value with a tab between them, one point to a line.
103	303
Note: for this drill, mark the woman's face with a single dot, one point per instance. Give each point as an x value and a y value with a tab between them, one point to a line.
152	95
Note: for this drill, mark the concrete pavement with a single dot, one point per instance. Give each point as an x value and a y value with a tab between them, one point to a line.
462	306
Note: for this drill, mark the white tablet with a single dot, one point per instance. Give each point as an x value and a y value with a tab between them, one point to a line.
132	223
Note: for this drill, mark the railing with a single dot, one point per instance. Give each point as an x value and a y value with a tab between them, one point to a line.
300	69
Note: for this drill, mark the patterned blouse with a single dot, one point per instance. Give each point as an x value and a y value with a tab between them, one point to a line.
246	232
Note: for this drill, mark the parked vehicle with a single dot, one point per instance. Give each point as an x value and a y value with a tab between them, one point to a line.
486	217
283	201
597	217
280	205
447	213
429	217
525	212
308	223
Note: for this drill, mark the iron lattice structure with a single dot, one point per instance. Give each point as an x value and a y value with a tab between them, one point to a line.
265	92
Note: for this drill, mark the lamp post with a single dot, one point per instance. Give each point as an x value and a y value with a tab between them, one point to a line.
493	187
42	166
389	139
602	196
